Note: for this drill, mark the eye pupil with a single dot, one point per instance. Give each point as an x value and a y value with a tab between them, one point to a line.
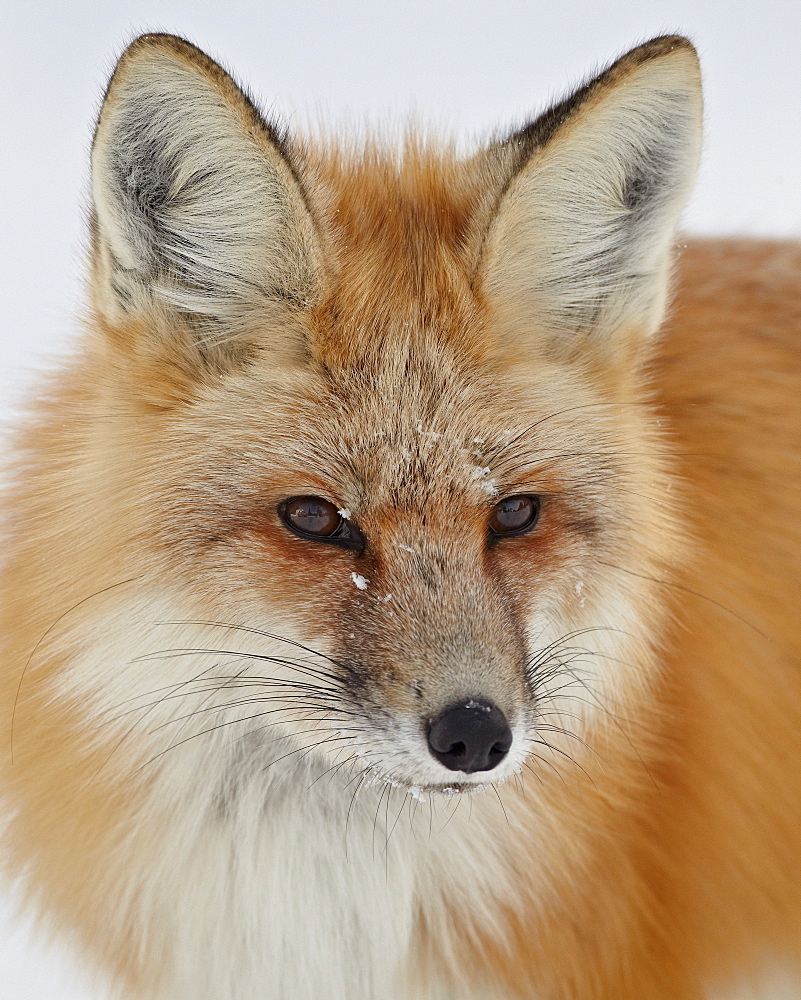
313	516
514	515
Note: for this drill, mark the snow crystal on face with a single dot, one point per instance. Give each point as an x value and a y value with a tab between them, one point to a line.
405	548
344	512
480	474
478	705
360	581
430	435
386	599
377	778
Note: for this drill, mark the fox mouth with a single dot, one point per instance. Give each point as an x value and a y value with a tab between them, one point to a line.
446	790
426	787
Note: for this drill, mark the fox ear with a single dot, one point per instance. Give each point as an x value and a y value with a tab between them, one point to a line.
196	207
581	240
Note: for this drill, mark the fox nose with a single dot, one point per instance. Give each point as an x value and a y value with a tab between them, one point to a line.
470	737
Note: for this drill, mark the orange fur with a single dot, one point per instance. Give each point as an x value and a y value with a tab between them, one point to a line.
699	871
666	860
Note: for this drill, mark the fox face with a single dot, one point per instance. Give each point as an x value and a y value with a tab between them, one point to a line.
385	417
428	548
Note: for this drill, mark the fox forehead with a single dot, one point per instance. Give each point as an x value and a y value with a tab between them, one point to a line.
403	231
410	429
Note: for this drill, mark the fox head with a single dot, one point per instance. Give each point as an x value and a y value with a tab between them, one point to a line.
378	422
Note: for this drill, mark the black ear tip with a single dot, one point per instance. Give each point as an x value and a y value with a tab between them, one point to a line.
174	44
658	50
539	131
660	45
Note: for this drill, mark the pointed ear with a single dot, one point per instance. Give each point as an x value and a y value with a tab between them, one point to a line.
582	237
197	211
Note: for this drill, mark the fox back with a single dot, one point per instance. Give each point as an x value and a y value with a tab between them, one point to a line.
394	606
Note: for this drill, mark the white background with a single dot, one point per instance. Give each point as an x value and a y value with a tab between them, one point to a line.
470	66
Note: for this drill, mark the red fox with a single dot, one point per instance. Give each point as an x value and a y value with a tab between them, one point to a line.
395	606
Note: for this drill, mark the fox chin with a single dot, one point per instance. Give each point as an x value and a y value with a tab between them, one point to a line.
400	581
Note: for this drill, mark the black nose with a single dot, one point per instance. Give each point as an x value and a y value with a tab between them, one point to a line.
470	737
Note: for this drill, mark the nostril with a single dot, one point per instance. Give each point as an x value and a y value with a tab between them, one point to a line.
471	737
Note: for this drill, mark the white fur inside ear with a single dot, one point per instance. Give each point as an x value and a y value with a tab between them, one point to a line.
582	238
195	205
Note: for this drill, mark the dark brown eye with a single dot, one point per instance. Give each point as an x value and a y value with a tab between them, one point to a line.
312	516
514	515
319	520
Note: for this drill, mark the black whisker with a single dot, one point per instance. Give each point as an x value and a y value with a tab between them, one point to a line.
266	635
166	654
359	783
61	617
500	802
572	760
694	593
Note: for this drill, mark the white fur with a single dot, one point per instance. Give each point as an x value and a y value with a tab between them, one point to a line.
258	866
270	872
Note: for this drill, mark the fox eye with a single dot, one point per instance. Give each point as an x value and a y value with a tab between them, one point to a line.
319	520
514	515
312	516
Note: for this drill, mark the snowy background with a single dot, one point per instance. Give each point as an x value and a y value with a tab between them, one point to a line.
471	66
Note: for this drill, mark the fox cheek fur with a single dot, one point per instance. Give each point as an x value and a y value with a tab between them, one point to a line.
371	485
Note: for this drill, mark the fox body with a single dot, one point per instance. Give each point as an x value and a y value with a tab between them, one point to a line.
366	455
